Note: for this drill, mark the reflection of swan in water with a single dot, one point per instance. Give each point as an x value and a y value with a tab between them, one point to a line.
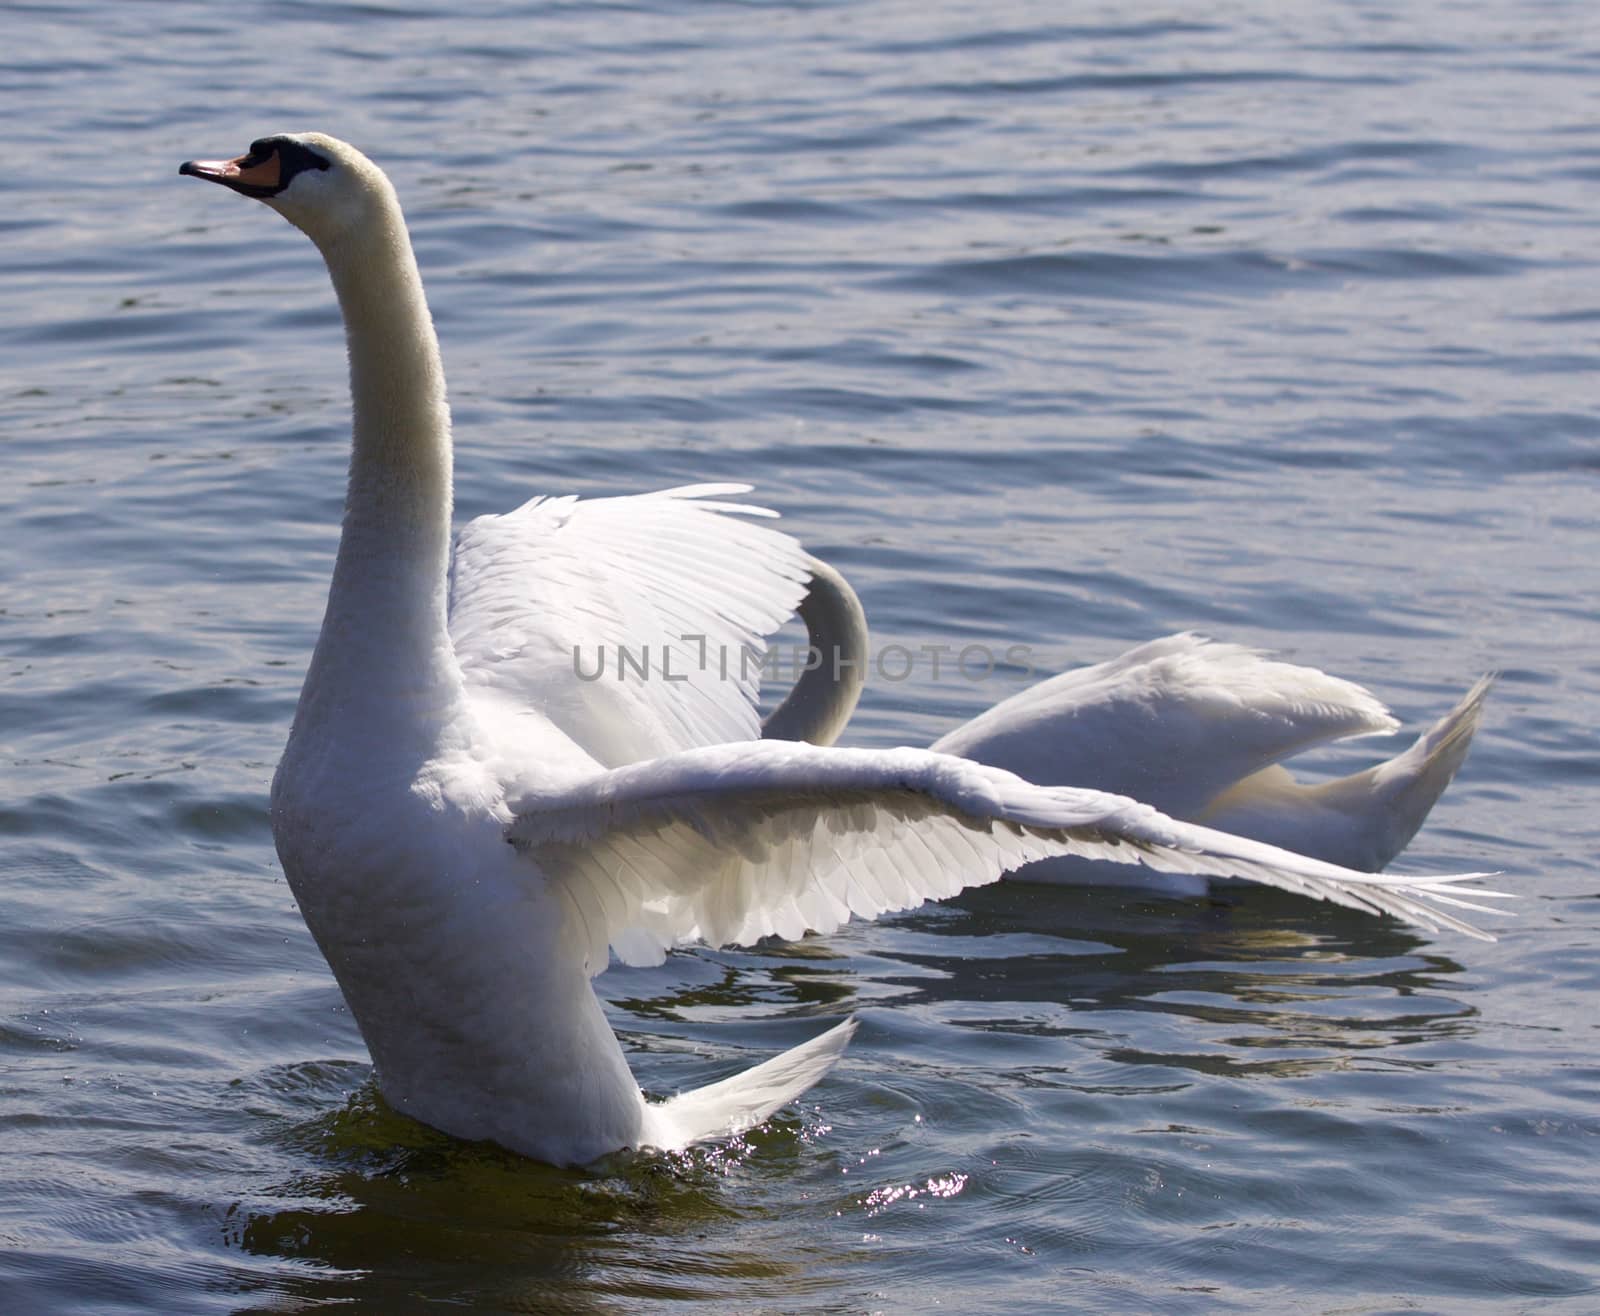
1197	729
468	825
1268	986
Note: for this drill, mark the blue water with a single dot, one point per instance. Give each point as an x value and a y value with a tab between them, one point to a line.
1054	326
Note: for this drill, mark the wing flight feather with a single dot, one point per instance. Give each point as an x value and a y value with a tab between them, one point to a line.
731	843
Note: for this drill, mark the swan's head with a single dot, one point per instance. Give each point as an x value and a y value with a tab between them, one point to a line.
322	186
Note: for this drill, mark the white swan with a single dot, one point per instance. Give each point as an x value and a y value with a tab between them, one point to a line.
1196	729
467	823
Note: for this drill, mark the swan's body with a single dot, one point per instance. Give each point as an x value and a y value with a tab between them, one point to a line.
468	823
1196	729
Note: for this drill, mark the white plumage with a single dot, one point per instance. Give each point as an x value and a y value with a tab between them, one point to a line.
1199	730
657	604
468	824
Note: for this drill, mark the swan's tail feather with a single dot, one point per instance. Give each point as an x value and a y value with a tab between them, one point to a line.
728	1107
1397	795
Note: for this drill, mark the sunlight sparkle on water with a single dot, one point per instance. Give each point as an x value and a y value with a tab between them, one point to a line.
880	1199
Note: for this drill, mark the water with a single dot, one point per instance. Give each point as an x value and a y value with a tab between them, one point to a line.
1053	326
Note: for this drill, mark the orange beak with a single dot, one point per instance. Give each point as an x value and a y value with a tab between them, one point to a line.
246	174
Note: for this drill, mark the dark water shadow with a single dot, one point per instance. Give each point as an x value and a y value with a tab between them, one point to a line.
1300	984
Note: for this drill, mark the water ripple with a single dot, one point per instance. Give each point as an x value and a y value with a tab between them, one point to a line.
1052	333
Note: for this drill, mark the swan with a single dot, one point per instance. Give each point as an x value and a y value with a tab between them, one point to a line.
1192	727
470	826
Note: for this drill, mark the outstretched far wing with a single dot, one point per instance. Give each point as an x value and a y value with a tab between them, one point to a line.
735	842
634	624
1173	722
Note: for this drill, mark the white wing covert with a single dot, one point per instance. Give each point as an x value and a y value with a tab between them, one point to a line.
1173	722
732	843
633	624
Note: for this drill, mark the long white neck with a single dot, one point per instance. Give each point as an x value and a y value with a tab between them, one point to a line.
384	634
825	695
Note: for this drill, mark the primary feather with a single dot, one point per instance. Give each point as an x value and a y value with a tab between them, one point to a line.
1200	730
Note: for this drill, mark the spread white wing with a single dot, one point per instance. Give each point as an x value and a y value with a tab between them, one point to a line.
735	842
633	624
1174	722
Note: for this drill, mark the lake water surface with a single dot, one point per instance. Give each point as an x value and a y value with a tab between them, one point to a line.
1061	326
